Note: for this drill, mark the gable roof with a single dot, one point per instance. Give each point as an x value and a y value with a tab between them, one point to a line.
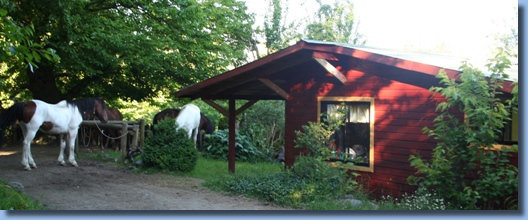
263	79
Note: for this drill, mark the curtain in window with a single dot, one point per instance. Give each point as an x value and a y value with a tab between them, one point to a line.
359	114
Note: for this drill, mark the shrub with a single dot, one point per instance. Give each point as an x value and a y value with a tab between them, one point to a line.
310	181
217	147
169	149
263	123
333	181
465	146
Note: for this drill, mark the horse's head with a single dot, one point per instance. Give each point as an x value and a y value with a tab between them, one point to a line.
206	124
100	110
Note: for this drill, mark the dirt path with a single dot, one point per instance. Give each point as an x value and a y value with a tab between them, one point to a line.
98	186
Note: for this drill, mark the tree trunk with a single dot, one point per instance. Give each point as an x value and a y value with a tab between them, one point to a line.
42	84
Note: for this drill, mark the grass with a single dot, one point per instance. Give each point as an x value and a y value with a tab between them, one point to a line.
205	167
11	199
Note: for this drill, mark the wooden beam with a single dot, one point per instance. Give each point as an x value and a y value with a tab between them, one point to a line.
323	55
217	107
232	150
331	69
245	106
275	88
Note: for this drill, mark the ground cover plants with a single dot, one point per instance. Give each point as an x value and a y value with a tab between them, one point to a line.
11	199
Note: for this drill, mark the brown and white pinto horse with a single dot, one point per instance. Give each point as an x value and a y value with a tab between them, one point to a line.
204	124
62	118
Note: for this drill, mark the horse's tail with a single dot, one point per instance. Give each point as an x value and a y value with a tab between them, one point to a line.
155	121
12	114
9	117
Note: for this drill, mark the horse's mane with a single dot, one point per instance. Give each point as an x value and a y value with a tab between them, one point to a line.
85	104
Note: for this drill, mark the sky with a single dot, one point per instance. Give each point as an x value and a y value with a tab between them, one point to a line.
456	27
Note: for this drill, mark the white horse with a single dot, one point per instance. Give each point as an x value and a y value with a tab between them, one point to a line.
189	119
63	118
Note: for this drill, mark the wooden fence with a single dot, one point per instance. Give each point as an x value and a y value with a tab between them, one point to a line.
135	130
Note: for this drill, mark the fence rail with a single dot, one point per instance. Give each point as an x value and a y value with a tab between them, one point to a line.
134	129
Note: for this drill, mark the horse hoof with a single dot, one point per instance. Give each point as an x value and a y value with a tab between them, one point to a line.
62	164
75	164
27	168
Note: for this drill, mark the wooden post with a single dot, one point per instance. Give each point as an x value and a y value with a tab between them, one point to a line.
124	130
141	133
135	138
232	152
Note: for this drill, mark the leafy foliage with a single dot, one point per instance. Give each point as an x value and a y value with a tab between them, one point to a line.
278	33
169	149
293	188
217	147
317	136
310	179
128	49
464	168
16	40
10	199
263	124
335	23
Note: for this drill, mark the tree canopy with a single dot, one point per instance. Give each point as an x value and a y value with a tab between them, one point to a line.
128	49
335	23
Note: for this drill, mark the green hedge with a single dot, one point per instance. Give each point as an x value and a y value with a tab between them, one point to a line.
169	149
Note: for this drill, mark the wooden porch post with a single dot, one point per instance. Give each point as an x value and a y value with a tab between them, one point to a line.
232	117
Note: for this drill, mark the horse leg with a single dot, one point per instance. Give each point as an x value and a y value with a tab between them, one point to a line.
62	146
27	159
199	142
71	144
195	135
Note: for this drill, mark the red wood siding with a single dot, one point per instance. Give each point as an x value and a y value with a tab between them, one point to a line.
401	112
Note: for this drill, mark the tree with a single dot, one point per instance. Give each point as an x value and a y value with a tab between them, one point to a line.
277	31
335	23
133	50
465	168
15	40
16	45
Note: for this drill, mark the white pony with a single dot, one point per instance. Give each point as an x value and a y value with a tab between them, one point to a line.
189	119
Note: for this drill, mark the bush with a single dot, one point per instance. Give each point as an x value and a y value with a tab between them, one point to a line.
263	123
465	169
310	181
217	147
169	149
310	168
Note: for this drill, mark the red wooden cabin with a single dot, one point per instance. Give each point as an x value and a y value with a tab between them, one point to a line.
385	92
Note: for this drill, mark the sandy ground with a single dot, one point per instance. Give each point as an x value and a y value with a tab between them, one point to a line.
98	186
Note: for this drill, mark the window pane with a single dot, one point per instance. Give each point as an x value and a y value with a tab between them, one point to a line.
359	113
362	114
